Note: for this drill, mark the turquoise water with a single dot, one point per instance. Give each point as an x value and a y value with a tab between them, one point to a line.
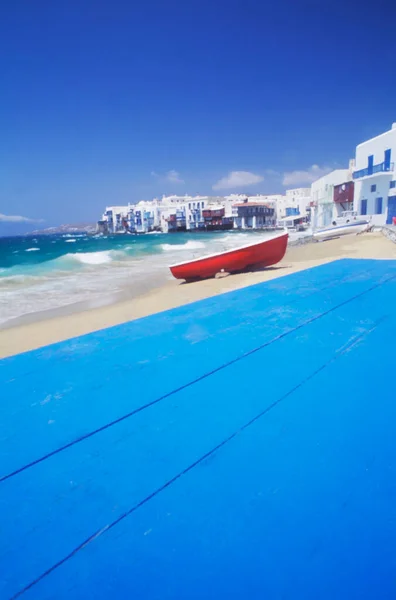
40	251
38	273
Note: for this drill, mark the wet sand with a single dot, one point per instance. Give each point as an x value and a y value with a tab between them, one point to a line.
50	328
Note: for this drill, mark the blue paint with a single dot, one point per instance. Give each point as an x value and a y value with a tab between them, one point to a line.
291	211
363	206
391	210
159	354
378	206
370	164
387	158
298	499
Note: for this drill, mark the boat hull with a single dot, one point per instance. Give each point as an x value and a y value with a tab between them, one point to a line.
264	254
339	230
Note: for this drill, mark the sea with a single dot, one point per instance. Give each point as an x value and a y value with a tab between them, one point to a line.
44	275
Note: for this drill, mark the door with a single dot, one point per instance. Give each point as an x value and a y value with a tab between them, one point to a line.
370	164
391	209
363	207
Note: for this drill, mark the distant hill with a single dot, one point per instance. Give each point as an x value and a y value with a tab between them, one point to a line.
68	228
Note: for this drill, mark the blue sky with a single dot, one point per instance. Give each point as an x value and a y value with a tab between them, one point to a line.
108	102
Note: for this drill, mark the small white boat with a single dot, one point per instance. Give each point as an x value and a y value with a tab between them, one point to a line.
348	223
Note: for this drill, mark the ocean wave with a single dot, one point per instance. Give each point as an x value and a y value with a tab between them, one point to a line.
187	246
32	249
91	258
233	237
21	280
70	241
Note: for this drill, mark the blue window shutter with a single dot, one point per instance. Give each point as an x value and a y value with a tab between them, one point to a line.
387	159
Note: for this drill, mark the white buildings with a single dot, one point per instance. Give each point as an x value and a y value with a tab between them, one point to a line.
298	198
326	206
139	218
171	213
374	177
185	213
182	212
294	202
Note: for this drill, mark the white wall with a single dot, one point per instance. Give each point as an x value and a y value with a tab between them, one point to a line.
322	193
294	198
363	186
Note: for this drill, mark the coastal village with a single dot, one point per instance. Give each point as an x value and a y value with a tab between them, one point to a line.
198	416
367	186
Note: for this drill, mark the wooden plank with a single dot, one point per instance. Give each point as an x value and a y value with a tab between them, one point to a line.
49	509
300	504
72	397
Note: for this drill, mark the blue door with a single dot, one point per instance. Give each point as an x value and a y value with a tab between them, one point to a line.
391	209
363	207
370	165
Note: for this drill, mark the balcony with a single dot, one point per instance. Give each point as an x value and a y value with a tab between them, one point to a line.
374	170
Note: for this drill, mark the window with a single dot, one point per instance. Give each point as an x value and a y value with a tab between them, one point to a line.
387	159
378	206
373	188
392	184
363	207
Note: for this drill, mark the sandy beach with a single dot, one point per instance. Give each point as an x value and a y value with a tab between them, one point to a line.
48	329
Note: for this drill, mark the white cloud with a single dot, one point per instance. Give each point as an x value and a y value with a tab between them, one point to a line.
308	176
18	219
272	173
173	177
236	179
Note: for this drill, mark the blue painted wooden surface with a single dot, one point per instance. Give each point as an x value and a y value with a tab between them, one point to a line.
242	446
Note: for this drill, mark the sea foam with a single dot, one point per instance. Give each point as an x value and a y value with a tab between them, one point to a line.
91	258
190	245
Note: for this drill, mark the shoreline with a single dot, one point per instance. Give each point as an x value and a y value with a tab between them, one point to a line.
41	329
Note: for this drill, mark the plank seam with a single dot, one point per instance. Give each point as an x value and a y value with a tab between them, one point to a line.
127	513
190	383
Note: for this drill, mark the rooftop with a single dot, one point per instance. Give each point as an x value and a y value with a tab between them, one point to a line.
253	204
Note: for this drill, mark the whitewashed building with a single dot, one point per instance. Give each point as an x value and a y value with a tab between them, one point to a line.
374	177
137	218
232	199
294	202
324	207
299	197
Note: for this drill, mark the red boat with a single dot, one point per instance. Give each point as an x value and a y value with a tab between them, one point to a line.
261	254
